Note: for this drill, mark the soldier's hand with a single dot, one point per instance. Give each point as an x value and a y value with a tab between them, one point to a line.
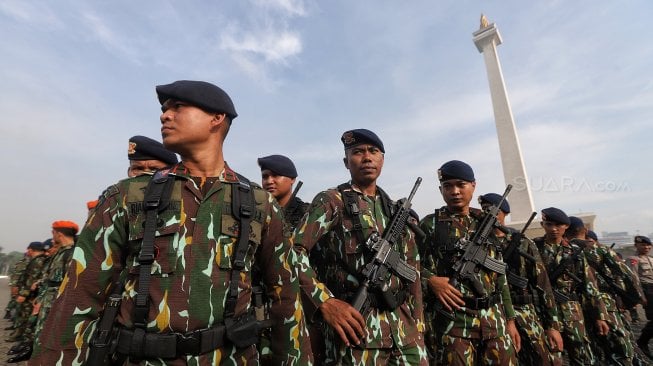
554	340
347	321
602	327
448	295
514	334
20	299
14	291
36	308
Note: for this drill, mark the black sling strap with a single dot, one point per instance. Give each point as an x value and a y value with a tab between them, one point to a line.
350	200
153	203
242	208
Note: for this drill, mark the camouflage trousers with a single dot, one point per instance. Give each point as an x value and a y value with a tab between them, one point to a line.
23	312
43	313
226	356
574	334
534	348
616	347
466	351
350	356
336	353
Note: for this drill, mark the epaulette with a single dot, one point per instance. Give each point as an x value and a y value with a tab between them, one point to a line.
110	191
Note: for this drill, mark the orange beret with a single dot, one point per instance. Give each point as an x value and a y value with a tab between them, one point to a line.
91	204
65	225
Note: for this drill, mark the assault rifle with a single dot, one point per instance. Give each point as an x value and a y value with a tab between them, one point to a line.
513	250
466	268
630	299
291	206
386	260
563	268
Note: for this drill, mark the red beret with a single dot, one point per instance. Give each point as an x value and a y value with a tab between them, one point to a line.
65	225
91	204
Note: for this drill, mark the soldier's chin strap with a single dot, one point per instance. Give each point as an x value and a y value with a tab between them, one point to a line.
153	203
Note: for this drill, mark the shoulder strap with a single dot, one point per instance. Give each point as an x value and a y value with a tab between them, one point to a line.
242	208
352	210
152	206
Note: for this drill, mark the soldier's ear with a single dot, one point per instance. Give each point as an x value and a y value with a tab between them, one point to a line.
346	162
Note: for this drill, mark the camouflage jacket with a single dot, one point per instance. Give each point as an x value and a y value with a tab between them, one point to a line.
335	268
194	245
32	274
437	260
18	270
612	271
539	287
53	274
588	289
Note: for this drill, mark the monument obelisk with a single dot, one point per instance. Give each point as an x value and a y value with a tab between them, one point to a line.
486	39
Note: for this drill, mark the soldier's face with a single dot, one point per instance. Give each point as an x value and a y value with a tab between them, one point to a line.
554	231
643	248
184	126
138	167
364	162
457	194
278	186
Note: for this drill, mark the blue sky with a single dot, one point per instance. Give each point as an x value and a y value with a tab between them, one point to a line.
78	80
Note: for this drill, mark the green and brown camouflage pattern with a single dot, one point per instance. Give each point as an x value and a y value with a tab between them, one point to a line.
17	270
532	319
460	334
194	245
336	259
574	330
617	345
53	276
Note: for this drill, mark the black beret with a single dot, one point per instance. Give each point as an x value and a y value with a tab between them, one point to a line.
641	239
47	244
592	235
456	169
494	199
144	148
575	223
201	94
555	215
35	245
359	136
278	164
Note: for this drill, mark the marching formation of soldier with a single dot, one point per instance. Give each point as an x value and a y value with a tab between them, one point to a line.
190	263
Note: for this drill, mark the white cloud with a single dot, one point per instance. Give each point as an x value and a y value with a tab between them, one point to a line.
290	7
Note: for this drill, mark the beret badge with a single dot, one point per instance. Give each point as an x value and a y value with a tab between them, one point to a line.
348	138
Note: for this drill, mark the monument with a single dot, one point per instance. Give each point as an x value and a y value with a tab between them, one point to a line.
486	39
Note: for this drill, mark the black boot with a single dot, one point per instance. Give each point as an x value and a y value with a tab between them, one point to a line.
7	314
645	337
23	356
18	348
11	327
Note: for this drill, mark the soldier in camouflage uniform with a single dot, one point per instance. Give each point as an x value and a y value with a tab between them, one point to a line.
16	273
23	350
611	273
194	277
25	291
278	174
147	156
63	240
530	290
574	286
339	222
469	329
642	265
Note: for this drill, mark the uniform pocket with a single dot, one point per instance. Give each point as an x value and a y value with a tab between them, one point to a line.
166	243
228	240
